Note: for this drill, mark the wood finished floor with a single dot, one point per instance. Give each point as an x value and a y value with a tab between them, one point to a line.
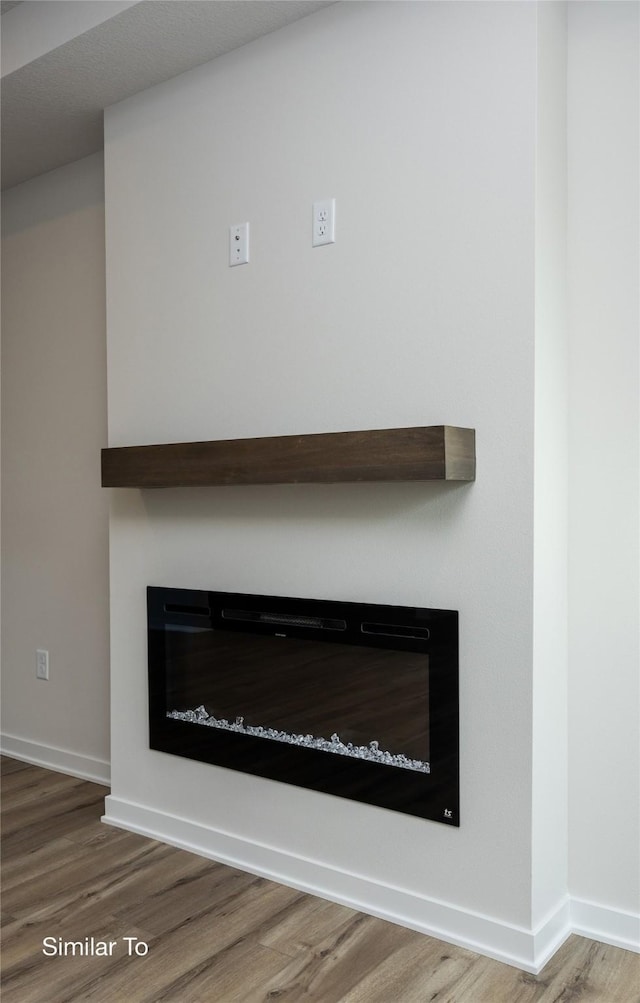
218	935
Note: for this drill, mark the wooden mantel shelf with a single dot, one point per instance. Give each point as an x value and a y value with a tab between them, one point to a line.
439	452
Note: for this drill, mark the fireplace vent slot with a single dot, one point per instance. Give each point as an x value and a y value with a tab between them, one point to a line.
187	610
395	630
284	619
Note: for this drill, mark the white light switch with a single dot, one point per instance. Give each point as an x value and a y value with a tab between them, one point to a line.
324	222
238	244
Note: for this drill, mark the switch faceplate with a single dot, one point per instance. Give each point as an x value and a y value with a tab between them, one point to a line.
238	244
324	222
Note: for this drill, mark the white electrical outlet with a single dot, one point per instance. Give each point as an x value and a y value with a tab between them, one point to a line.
238	244
42	664
324	222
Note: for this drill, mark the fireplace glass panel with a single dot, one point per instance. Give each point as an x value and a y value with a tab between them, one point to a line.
365	702
357	700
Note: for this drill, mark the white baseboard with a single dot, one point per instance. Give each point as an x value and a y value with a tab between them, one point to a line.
525	949
60	760
551	934
610	926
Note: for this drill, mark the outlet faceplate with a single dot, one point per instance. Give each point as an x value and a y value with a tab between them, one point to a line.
324	222
42	664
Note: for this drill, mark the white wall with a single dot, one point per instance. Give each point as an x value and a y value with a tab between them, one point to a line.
604	238
549	680
421	122
54	513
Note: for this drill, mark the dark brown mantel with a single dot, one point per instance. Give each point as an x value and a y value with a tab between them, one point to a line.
439	452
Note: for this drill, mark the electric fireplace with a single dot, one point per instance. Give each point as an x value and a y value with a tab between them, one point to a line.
352	699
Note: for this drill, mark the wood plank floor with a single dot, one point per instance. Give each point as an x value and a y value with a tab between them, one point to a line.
218	935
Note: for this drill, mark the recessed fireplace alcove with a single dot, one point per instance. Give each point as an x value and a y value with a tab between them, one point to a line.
353	699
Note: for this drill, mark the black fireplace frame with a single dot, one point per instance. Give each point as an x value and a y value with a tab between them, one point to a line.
433	795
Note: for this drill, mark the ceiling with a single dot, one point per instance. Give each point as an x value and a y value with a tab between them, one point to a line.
52	104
